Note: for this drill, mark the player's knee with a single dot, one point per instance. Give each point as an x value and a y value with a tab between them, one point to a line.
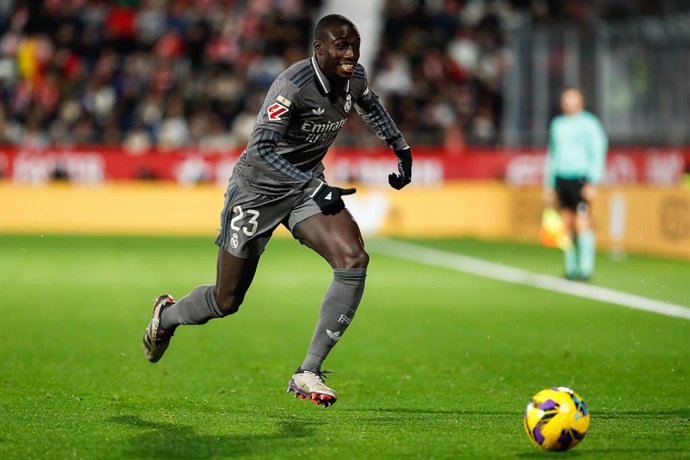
354	258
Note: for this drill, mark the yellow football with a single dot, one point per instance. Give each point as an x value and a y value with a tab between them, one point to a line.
556	419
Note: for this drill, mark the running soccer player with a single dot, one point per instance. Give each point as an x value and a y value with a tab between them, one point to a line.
574	166
279	179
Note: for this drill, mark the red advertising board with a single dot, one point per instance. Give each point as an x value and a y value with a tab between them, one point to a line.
432	167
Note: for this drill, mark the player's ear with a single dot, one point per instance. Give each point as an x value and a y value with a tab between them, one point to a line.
318	48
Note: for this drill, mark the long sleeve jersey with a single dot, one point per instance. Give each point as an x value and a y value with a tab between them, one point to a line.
577	149
299	120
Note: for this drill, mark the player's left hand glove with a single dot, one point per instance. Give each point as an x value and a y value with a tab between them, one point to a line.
404	176
329	199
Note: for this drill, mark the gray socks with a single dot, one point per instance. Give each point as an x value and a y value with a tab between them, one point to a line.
337	310
197	307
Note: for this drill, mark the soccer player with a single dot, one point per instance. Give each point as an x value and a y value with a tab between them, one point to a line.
574	166
279	179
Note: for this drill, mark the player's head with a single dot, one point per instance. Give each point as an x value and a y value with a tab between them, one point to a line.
572	100
336	46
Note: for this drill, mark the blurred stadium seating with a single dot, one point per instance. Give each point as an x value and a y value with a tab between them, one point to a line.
176	73
163	74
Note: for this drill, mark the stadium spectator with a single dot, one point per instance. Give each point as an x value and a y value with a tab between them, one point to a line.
173	132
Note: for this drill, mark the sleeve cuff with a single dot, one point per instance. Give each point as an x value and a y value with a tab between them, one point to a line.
400	144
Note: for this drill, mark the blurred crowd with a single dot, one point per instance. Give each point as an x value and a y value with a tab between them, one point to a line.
441	64
440	68
173	74
167	74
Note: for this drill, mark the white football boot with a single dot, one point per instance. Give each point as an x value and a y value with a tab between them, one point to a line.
310	385
157	339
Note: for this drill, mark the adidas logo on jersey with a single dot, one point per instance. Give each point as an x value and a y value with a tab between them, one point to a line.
317	111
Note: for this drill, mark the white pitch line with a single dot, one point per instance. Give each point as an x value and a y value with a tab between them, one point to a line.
438	258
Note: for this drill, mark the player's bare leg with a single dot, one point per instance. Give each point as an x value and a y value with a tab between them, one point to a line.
233	277
338	240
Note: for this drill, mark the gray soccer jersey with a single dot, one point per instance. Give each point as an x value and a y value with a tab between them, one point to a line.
300	119
274	178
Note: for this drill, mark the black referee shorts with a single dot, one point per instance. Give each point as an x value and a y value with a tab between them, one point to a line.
569	192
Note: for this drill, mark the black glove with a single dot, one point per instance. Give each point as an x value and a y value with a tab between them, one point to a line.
328	198
404	175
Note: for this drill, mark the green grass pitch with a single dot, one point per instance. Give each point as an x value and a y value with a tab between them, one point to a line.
437	364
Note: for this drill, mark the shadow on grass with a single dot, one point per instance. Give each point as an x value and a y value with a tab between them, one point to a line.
169	440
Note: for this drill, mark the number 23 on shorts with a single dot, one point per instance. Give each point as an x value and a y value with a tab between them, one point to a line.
251	225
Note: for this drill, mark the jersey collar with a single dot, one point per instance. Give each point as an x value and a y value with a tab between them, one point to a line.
324	83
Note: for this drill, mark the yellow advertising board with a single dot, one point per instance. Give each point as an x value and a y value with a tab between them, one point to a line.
136	208
644	219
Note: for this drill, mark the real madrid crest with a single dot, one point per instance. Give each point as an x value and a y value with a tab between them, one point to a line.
348	103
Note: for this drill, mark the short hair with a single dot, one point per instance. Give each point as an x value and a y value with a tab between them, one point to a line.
573	88
329	21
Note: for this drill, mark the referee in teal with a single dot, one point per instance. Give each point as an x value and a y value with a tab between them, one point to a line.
574	167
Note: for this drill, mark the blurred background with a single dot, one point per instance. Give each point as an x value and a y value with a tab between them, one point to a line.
121	121
123	92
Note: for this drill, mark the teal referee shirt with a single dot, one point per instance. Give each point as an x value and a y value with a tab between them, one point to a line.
577	148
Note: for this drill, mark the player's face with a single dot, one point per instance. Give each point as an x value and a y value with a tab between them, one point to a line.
572	102
338	54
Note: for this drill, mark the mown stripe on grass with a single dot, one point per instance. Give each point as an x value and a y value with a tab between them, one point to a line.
479	267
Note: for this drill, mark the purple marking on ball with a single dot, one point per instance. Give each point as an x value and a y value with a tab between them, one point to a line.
537	435
549	404
565	439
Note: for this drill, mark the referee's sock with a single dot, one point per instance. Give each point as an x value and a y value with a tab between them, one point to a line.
586	245
337	310
198	307
571	265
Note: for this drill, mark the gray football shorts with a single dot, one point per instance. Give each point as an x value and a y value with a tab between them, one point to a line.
249	219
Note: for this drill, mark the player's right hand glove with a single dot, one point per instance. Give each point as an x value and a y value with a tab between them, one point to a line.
329	199
404	176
